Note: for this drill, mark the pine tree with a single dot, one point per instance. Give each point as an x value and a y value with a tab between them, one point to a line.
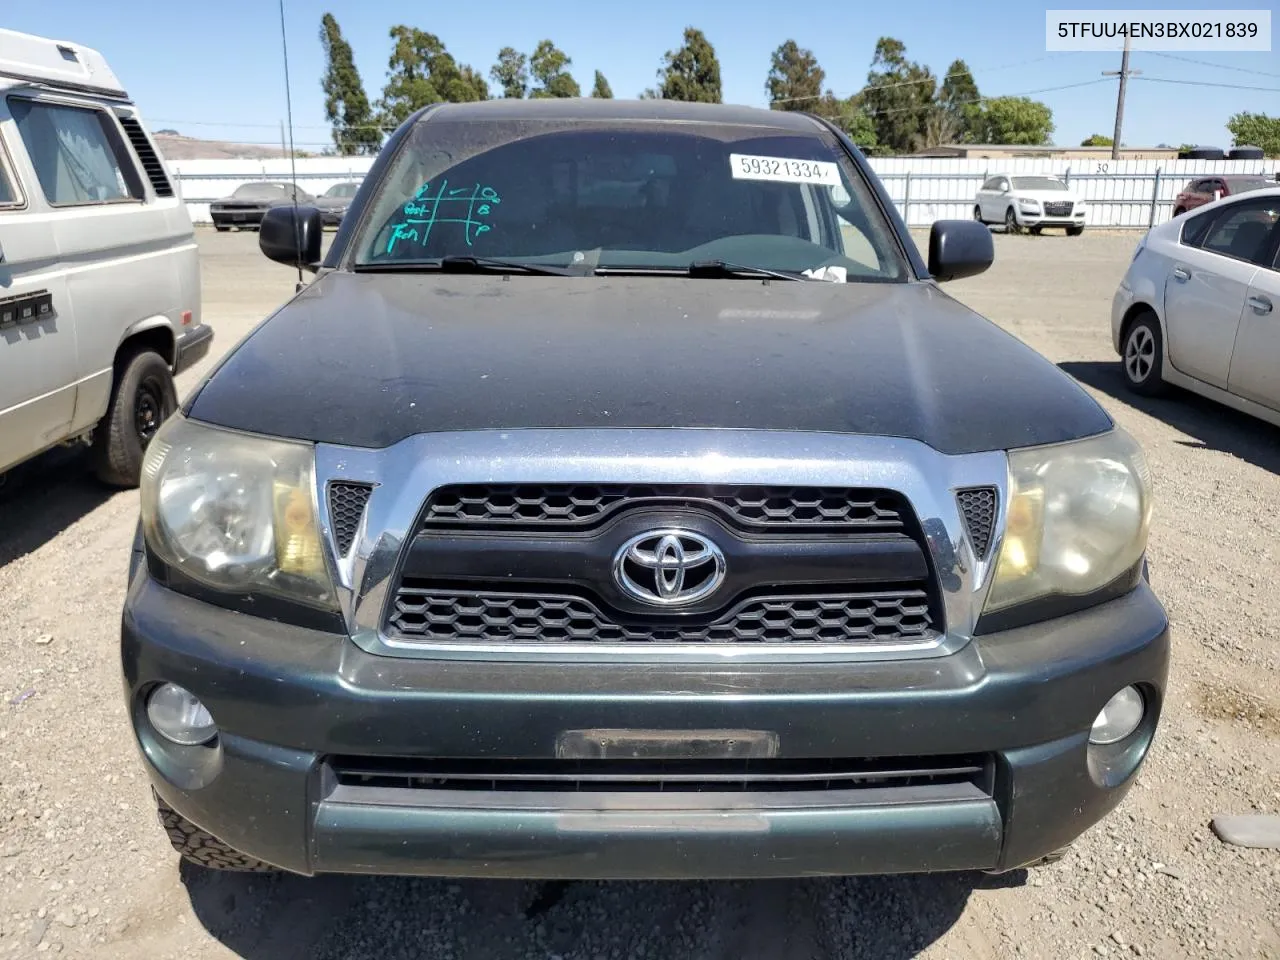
346	105
795	79
690	72
601	90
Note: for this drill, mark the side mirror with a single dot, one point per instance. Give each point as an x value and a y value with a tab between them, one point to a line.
959	248
292	236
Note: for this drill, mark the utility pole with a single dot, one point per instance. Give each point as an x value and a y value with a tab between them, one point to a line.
1123	73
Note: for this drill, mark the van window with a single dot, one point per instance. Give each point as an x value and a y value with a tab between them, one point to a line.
77	153
7	196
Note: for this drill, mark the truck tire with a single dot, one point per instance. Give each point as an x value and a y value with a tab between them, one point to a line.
142	397
1074	231
1011	222
204	849
1142	360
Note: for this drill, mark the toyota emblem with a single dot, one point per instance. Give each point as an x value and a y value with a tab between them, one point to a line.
669	568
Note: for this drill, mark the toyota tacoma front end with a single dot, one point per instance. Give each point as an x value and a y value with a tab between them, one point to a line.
624	498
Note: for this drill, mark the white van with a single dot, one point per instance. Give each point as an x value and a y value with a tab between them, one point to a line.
99	276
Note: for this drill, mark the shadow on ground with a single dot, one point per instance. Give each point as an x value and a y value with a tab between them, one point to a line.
283	917
42	497
1213	426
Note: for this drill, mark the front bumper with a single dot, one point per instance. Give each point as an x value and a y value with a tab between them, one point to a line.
1040	220
192	347
288	699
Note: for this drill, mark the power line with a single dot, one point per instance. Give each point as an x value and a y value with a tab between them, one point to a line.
1207	63
957	103
930	79
1206	83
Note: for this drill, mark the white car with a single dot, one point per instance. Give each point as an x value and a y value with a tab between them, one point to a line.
1200	305
1031	203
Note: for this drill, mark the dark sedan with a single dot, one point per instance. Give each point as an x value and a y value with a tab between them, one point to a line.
246	207
333	203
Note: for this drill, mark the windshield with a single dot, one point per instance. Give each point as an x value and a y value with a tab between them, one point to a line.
1244	184
259	191
1038	183
341	190
627	194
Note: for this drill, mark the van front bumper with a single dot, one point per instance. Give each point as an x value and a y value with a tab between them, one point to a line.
296	708
192	347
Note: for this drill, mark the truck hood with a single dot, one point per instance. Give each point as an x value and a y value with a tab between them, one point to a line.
369	359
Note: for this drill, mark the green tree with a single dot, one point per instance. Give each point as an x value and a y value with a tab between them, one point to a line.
690	72
601	89
1256	130
1018	120
1097	140
346	105
422	72
549	67
851	116
898	96
795	79
511	73
959	97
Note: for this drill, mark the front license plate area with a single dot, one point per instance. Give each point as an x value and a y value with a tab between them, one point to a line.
631	744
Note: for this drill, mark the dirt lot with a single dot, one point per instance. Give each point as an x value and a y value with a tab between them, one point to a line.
86	871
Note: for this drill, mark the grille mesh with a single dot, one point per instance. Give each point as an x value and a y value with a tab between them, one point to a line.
346	508
579	505
1058	208
435	615
147	155
978	504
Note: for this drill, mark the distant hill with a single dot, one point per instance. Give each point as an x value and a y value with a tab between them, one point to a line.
175	146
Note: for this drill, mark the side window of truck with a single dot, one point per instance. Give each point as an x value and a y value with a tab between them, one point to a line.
78	153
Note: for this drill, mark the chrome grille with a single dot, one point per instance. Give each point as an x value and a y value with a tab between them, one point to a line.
1058	208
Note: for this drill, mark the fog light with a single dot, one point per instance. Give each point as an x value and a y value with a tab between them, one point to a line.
1119	718
178	716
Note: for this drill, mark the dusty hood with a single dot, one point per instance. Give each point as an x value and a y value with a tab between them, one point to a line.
368	359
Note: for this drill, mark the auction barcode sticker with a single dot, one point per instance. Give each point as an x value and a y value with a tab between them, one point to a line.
743	166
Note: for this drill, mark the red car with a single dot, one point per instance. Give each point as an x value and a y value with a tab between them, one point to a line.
1207	189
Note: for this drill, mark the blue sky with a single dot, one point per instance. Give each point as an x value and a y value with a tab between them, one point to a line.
213	69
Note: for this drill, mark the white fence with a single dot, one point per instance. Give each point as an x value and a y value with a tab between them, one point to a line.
1120	193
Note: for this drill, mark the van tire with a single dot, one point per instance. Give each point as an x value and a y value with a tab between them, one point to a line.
204	849
222	227
142	397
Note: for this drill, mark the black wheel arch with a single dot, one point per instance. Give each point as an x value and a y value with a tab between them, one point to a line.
160	339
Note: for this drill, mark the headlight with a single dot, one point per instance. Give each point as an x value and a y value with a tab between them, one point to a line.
1077	518
1029	204
235	512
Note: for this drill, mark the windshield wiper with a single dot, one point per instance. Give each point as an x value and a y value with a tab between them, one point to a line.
464	264
720	269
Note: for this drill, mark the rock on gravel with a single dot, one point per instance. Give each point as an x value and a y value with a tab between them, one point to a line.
1249	830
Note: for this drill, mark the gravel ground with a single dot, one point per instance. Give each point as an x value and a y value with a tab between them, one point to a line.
86	871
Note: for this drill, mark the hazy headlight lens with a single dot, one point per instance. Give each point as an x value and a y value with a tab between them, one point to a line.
1077	518
235	512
